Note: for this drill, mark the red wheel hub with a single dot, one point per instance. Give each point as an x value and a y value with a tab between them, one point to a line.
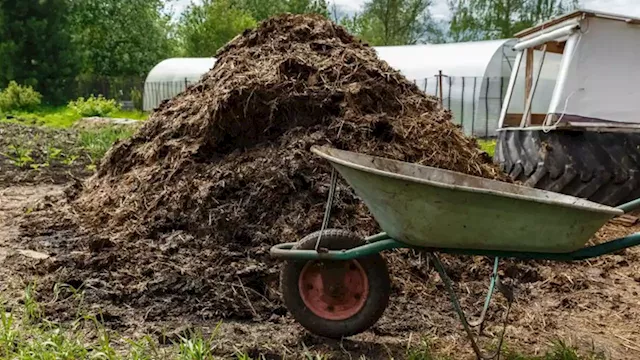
334	290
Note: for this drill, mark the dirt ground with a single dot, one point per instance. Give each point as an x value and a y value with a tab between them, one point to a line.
39	155
594	305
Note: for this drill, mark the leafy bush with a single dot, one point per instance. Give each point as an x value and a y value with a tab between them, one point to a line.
18	97
94	106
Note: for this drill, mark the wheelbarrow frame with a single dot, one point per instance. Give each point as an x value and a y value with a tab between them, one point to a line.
381	242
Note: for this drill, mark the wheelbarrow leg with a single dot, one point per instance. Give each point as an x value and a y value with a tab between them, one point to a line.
487	301
456	305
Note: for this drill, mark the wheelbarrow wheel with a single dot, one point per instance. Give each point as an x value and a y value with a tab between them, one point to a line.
335	299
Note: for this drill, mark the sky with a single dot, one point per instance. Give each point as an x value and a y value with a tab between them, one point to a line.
440	10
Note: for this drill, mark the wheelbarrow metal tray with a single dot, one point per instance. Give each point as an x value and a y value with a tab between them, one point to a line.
435	208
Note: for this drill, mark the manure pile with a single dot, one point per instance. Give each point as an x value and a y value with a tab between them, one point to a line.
179	218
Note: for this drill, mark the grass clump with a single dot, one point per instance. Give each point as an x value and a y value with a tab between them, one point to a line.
97	142
488	146
19	155
559	351
94	106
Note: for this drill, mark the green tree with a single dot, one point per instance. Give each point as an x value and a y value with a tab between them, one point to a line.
35	46
499	19
206	27
394	22
264	9
307	7
121	38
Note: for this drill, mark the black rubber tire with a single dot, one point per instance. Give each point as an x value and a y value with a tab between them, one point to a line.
379	288
602	167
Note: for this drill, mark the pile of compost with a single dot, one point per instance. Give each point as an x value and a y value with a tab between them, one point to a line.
180	217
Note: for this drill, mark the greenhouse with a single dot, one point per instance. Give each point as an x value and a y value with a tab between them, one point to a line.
474	78
171	77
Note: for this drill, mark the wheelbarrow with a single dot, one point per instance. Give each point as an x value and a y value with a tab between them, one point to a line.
336	284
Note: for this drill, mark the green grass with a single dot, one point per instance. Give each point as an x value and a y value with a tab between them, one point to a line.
91	144
97	142
488	145
62	117
25	334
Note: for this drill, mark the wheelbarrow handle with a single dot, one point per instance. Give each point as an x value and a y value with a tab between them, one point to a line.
630	206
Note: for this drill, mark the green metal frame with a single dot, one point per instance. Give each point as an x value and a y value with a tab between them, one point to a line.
382	242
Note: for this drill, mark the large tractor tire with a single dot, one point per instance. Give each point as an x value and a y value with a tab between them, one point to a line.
603	167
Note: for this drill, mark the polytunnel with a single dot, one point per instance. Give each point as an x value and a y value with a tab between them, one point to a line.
171	77
474	82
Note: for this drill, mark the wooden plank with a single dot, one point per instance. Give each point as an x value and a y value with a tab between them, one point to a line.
551	23
528	81
553	47
513	120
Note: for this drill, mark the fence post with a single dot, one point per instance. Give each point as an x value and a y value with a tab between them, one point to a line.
486	109
473	106
449	94
501	92
440	81
186	83
462	106
425	85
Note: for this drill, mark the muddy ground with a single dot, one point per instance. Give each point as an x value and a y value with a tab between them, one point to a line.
40	155
594	305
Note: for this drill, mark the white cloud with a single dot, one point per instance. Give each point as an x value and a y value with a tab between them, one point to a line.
625	7
180	5
440	10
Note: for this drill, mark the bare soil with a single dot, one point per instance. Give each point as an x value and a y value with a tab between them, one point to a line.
40	155
592	304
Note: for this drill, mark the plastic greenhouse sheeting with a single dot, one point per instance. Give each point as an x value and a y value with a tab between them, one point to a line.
171	77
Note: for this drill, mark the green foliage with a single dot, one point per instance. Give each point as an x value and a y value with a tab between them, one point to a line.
121	38
195	347
85	337
499	19
394	22
559	351
32	309
202	33
20	156
63	117
94	106
137	99
97	142
260	9
488	146
307	7
263	9
36	47
18	97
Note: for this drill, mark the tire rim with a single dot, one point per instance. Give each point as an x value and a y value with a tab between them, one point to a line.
334	290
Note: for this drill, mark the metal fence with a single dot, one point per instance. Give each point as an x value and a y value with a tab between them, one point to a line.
475	102
128	90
